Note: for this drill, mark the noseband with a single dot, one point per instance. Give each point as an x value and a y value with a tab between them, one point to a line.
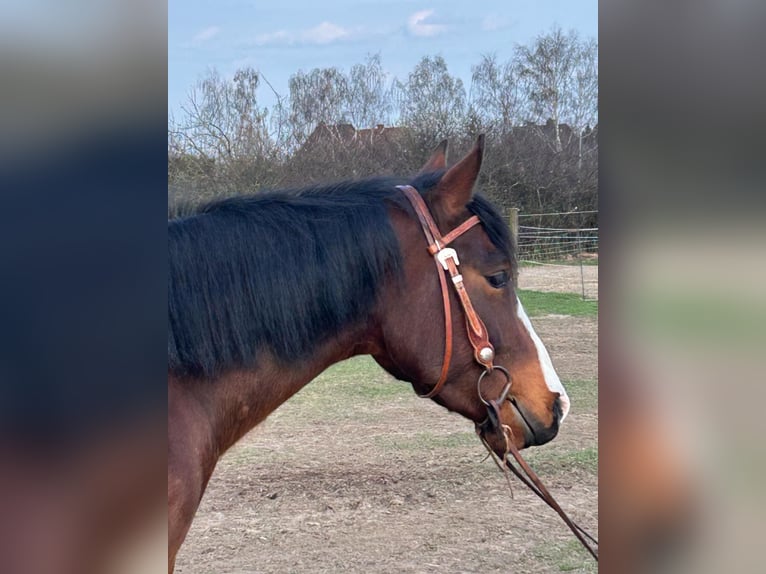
446	259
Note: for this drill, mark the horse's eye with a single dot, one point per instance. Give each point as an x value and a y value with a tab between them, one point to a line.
498	280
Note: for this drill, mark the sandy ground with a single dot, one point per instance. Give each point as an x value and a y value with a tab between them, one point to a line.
561	278
396	484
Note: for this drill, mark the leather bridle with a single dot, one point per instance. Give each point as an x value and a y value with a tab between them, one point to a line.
446	259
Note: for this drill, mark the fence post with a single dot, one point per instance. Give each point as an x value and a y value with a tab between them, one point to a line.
514	224
582	271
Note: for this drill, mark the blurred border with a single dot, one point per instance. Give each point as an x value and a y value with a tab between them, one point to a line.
82	285
682	309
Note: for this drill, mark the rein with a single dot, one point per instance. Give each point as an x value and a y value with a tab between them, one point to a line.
446	259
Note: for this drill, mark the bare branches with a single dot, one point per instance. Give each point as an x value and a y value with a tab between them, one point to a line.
559	79
539	108
433	102
495	94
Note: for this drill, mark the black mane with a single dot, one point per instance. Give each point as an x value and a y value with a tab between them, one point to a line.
283	271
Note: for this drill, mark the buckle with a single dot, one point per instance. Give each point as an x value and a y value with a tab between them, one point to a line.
447	253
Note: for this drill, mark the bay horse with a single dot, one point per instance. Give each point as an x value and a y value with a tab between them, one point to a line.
267	291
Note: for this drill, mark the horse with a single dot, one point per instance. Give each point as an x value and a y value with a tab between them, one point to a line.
266	291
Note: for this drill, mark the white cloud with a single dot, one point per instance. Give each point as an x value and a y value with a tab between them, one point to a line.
418	27
207	34
324	33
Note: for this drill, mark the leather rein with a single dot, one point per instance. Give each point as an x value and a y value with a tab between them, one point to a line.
446	259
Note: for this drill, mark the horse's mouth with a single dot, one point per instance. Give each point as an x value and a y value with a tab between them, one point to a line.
530	438
498	428
534	434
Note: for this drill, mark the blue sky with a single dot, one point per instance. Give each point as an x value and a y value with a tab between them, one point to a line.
279	38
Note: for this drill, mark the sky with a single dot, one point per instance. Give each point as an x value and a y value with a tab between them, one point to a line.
280	38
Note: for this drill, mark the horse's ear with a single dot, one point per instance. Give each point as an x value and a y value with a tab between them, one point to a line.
438	159
455	189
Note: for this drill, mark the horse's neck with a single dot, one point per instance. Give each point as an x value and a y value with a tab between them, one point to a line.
241	400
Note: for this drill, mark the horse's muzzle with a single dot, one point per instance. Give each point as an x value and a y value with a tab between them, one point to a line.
536	433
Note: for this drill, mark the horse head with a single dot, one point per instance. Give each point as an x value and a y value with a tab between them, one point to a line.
520	397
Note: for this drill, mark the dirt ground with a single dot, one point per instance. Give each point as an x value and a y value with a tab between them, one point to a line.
351	477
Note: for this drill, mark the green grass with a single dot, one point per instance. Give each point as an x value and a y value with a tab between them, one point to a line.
568	556
539	303
552	461
346	382
584	395
348	391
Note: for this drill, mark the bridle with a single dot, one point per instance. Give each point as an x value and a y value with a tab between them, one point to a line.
446	259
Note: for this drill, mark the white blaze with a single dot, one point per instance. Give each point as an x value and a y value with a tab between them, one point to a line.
552	380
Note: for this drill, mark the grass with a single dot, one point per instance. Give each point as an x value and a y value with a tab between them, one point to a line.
583	394
568	556
539	303
553	461
352	390
345	383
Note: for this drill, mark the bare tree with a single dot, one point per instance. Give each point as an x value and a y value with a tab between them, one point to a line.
223	119
495	94
317	97
223	138
278	120
538	105
584	101
432	102
547	70
367	97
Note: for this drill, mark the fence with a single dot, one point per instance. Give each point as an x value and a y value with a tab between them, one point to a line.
568	240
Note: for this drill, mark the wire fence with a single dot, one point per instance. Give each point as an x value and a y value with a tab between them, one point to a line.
556	236
560	239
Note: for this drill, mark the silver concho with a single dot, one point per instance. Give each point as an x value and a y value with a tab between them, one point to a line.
486	354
